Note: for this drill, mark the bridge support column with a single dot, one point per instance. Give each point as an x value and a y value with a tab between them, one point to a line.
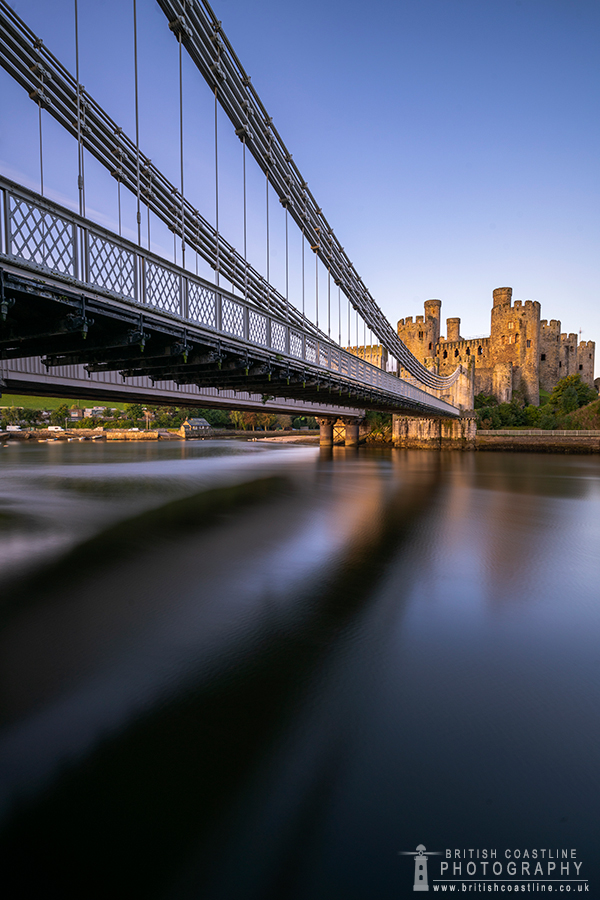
352	435
325	431
434	433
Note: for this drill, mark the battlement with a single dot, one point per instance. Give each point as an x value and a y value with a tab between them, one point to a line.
569	338
553	325
419	320
526	304
587	345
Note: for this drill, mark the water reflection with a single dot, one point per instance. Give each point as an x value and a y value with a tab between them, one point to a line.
257	672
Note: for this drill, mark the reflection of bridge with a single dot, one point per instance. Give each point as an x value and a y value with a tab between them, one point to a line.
84	311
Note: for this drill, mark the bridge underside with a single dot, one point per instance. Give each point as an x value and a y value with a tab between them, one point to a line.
42	317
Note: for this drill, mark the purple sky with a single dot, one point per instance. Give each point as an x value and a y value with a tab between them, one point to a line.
452	144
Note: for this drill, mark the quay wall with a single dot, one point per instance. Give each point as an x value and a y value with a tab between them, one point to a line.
540	442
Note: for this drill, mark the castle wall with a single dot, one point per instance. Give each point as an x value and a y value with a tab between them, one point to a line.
453	353
374	354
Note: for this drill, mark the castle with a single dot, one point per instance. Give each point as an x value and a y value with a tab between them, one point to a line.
522	352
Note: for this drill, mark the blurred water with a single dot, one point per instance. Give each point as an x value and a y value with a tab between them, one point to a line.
238	670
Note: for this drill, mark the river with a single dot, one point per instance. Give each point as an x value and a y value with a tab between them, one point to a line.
239	670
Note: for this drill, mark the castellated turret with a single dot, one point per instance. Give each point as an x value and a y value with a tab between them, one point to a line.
453	329
422	335
502	296
550	353
586	353
515	338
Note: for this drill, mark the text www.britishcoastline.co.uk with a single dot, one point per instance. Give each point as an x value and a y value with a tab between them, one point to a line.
512	886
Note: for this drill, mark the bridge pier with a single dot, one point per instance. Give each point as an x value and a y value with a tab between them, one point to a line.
352	431
325	430
434	433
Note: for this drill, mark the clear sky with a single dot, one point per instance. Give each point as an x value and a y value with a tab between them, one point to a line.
452	144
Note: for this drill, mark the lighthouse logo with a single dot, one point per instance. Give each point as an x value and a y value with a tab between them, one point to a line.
421	856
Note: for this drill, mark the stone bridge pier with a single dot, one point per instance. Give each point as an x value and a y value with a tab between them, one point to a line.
351	430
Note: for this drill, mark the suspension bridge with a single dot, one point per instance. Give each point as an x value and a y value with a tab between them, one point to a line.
86	311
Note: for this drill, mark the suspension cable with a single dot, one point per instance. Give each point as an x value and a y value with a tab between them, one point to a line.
287	269
303	316
349	336
268	270
79	146
245	245
317	288
328	302
217	266
137	124
181	153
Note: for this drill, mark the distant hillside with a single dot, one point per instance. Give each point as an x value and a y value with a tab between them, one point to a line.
50	403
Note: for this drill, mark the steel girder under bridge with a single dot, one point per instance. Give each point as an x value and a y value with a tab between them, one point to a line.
77	295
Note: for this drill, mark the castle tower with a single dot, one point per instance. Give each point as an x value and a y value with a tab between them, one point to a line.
453	329
586	353
515	339
567	362
502	296
433	310
422	335
549	353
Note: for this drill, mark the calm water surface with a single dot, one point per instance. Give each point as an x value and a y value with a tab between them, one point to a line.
235	670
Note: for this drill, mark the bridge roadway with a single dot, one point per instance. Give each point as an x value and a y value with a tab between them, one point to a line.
84	312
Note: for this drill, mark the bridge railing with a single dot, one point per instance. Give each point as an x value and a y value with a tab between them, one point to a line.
54	240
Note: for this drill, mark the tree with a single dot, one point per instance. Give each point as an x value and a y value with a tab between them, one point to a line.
570	393
58	415
134	410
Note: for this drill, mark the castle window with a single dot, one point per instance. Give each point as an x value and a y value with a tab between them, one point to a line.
420	335
430	345
580	368
560	365
511	325
456	352
511	339
479	351
528	344
543	357
590	355
445	354
468	351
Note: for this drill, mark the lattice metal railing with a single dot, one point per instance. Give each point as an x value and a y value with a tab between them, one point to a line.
110	266
41	235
